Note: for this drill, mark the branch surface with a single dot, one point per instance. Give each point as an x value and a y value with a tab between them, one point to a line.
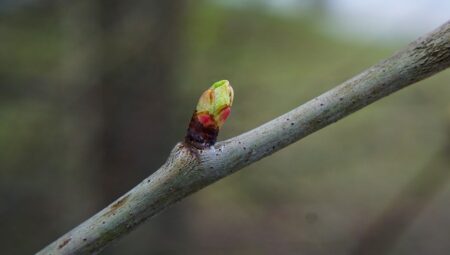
189	169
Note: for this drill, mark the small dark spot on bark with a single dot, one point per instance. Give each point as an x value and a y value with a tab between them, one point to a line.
273	147
321	104
113	208
287	119
64	243
103	222
292	123
340	99
84	239
244	148
211	167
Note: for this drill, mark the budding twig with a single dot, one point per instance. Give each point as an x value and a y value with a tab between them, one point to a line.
190	168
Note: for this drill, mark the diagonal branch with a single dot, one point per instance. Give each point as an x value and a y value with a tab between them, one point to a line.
189	169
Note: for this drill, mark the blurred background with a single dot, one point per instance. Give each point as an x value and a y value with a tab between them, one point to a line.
95	93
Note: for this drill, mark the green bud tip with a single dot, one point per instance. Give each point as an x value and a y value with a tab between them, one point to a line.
213	109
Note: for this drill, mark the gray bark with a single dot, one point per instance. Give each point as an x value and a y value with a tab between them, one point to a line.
188	169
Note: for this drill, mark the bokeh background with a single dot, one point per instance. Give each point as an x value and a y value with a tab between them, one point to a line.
95	93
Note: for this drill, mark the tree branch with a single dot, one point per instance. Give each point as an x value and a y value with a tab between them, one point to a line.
189	169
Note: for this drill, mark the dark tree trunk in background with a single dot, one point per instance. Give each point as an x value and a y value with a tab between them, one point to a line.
139	43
